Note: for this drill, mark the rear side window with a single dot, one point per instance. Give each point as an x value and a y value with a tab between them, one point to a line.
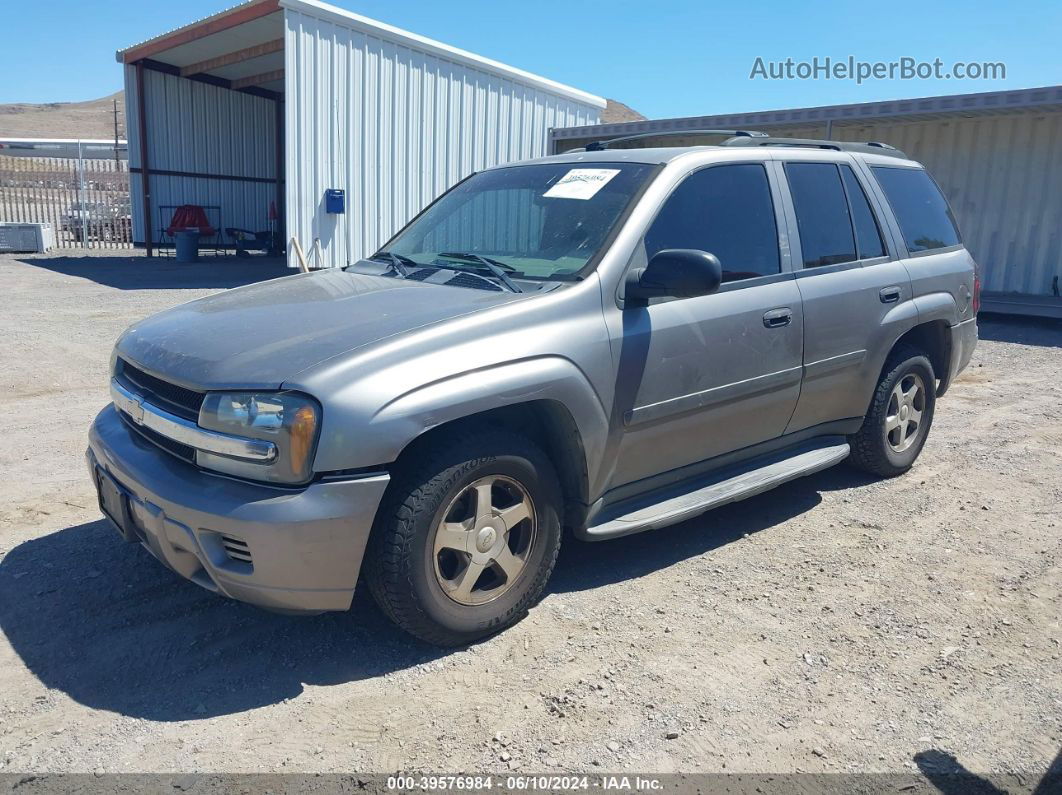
726	211
823	219
868	236
921	211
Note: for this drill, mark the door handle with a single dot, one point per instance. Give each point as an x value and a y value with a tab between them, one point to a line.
889	295
777	318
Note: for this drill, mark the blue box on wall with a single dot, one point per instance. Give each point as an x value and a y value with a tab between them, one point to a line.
335	200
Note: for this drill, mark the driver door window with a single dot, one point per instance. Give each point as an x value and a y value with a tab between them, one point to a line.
726	211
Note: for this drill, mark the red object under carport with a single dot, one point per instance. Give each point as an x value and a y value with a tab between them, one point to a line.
188	217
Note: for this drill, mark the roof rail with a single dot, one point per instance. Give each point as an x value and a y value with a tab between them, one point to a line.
599	146
866	147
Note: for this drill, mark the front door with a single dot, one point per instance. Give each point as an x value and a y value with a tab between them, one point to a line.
699	377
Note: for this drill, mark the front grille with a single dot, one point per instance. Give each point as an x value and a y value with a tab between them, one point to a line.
236	549
182	451
168	396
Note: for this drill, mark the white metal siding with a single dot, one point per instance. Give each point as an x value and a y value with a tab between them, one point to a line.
394	127
199	128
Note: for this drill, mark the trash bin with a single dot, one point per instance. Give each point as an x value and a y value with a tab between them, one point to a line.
187	244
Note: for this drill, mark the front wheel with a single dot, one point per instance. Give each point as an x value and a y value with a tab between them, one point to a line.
467	537
901	413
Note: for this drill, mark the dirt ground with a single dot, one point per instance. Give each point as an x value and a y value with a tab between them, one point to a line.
836	624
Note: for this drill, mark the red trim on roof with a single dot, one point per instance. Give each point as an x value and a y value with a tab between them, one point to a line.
237	16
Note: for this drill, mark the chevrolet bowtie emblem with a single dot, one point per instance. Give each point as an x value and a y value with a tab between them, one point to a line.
136	412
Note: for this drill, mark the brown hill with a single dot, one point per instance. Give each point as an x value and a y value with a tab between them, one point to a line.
92	119
616	112
95	118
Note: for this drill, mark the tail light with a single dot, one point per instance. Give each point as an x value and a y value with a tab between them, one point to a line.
976	302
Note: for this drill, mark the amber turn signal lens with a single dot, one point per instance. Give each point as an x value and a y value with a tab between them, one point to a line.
303	430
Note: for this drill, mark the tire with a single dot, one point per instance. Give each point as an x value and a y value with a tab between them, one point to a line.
887	445
431	536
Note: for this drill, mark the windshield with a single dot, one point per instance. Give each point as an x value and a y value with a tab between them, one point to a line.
535	222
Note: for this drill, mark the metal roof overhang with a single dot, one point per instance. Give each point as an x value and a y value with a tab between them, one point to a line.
1047	98
242	48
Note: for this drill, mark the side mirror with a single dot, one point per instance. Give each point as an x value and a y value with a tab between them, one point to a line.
674	273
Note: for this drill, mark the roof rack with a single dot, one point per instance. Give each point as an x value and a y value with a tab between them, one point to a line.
599	146
866	147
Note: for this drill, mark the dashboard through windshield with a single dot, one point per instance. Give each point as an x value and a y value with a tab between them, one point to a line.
539	222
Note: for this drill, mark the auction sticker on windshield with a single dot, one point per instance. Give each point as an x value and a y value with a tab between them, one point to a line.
581	183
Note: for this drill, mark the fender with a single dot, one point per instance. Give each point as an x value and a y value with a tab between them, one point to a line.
938	306
897	322
933	308
382	436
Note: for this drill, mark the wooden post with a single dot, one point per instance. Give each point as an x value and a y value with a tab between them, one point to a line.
303	265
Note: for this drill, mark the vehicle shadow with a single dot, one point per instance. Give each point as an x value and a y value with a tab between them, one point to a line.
105	623
951	777
582	566
1042	332
144	273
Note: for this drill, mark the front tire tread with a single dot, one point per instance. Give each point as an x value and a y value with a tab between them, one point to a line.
417	490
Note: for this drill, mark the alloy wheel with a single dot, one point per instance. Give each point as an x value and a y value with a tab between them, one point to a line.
903	417
484	540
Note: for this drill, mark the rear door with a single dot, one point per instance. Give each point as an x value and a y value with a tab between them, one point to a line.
856	292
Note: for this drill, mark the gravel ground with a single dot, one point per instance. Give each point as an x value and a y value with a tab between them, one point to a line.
836	624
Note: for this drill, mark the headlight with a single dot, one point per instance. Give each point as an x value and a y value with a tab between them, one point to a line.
288	419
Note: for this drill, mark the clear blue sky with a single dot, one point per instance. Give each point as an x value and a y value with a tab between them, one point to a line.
668	58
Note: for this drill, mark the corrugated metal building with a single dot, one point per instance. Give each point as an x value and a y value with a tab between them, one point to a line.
997	156
280	100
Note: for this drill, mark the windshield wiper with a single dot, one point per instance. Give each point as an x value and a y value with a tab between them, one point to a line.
494	266
478	258
398	262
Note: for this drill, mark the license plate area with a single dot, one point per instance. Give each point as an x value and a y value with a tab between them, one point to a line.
115	505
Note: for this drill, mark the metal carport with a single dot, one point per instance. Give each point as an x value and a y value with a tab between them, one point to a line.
281	100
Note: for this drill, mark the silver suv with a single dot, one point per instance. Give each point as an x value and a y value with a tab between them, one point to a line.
610	341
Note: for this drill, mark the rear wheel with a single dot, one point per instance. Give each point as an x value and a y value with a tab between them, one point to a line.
467	537
901	413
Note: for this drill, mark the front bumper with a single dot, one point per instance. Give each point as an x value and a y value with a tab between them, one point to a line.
305	546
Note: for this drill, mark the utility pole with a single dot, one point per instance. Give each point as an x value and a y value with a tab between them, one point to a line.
117	165
81	202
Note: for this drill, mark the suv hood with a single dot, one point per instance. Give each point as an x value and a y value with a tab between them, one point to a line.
258	336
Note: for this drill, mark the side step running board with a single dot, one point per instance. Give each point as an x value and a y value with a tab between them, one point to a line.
737	487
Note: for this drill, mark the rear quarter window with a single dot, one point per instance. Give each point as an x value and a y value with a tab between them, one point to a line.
920	208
